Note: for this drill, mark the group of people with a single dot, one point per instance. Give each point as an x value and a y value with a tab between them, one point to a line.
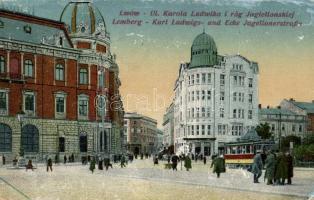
279	167
105	162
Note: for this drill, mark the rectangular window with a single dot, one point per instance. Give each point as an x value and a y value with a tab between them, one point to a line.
192	95
83	76
29	102
193	113
222	112
235	80
208	130
59	72
300	128
234	113
203	94
197	129
208	112
197	112
219	129
83	107
208	94
203	78
250	114
2	65
250	82
60	104
222	79
209	78
293	128
192	79
222	97
61	144
28	68
197	95
250	98
101	81
189	80
203	112
197	78
239	113
203	129
3	101
234	96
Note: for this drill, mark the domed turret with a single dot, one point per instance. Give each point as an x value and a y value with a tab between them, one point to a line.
203	51
82	18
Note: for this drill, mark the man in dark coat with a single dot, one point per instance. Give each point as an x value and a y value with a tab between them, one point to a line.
174	161
289	160
187	163
65	159
270	164
49	165
204	160
29	165
281	169
3	160
219	165
122	161
92	165
100	164
155	160
257	166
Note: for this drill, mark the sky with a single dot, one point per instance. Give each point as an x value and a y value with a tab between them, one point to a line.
149	55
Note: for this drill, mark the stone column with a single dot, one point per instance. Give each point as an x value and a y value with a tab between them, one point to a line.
22	64
8	62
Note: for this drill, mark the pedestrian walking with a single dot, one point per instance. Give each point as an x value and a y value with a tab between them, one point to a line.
257	166
49	165
174	161
64	159
219	165
92	165
155	160
289	160
29	165
270	165
168	159
281	169
3	159
56	159
187	163
122	162
204	160
107	163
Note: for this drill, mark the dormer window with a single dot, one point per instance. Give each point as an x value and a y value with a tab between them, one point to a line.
60	41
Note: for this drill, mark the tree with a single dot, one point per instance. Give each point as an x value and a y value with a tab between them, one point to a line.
263	130
285	142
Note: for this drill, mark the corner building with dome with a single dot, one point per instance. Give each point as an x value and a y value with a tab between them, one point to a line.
216	99
51	73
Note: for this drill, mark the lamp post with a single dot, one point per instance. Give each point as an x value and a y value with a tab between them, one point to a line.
20	118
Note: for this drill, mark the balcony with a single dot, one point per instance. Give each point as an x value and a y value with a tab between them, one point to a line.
9	76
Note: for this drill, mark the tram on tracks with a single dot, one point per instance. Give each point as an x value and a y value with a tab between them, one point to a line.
241	153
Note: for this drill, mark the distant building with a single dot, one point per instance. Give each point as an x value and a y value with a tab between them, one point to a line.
301	108
168	127
216	99
50	74
141	131
283	122
159	143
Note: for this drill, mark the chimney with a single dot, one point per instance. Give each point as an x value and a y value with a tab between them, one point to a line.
268	107
260	106
291	99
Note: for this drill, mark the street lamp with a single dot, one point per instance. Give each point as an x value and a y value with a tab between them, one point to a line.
20	118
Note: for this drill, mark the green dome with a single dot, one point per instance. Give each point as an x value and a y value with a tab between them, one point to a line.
203	51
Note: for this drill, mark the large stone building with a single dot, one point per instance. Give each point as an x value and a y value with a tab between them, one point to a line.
50	74
141	132
216	99
168	127
283	122
301	108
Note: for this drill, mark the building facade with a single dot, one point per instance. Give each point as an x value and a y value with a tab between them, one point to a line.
301	108
216	99
283	122
51	73
168	127
142	134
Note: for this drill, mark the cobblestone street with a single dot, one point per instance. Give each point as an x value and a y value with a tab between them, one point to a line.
142	180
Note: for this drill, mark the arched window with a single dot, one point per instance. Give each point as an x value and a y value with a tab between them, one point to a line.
28	68
83	76
5	138
2	64
59	72
30	138
83	142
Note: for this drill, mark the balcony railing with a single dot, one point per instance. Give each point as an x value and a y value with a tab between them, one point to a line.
11	76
